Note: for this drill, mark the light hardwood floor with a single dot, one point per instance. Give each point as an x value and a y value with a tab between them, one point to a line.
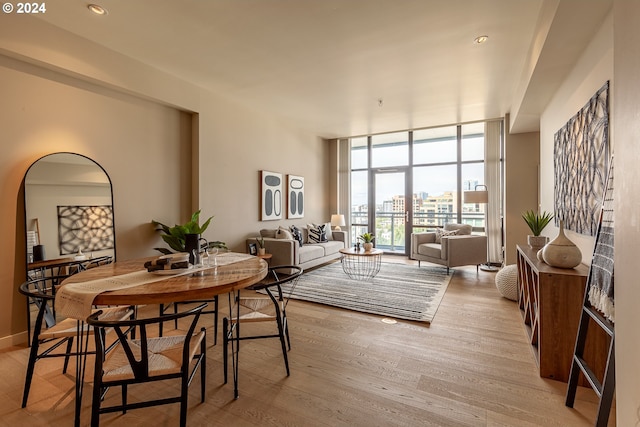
471	367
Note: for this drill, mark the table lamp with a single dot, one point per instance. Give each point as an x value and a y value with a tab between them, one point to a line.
337	220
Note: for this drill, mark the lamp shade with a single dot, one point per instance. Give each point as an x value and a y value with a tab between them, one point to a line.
477	196
337	220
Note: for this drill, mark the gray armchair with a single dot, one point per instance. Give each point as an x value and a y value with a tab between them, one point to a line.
453	250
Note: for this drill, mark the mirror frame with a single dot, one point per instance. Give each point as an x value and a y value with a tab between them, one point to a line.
24	183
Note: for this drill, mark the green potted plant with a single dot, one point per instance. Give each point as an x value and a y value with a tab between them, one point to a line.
367	240
261	248
537	222
176	236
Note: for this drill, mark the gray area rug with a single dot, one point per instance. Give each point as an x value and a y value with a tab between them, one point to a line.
400	291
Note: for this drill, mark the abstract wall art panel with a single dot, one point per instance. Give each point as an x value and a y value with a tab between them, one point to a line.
295	200
86	228
581	156
271	196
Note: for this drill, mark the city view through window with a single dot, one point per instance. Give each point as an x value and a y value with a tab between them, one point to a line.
408	182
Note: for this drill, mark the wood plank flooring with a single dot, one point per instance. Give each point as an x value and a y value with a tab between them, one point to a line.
471	367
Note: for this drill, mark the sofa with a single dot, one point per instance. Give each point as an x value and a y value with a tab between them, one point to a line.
451	246
286	250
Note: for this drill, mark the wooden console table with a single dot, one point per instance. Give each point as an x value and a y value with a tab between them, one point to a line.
550	301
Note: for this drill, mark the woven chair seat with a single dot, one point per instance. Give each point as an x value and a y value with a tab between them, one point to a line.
69	327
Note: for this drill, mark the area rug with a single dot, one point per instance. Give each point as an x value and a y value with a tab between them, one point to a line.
399	291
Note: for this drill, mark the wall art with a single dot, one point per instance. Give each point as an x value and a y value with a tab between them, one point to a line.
295	200
581	155
271	196
85	228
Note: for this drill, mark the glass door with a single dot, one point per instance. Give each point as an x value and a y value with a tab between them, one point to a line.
392	208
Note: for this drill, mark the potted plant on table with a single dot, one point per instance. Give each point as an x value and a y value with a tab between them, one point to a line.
261	248
367	240
186	237
537	223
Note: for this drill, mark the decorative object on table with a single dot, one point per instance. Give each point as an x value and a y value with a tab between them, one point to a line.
507	282
295	199
253	249
176	237
537	223
261	248
399	291
480	195
89	227
581	153
367	240
271	206
561	252
337	221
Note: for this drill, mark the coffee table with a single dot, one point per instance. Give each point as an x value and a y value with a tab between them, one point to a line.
361	264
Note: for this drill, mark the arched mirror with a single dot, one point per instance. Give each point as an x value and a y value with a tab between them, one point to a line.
68	211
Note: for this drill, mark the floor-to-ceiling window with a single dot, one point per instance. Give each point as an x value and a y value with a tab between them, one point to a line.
413	181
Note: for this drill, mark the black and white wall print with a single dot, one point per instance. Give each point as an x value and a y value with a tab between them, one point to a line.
581	154
295	190
271	196
86	228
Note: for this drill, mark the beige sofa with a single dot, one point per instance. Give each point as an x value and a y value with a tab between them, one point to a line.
289	251
453	250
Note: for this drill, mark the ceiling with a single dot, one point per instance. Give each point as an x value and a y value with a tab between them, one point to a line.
342	68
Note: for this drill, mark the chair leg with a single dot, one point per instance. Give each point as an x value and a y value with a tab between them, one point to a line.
33	356
215	320
161	324
282	343
203	365
68	353
225	349
124	398
418	263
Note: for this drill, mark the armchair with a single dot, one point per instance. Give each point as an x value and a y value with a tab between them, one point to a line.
455	250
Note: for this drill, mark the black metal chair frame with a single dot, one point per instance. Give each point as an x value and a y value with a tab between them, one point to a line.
140	367
231	324
214	311
43	297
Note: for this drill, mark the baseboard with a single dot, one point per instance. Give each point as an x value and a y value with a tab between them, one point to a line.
19	339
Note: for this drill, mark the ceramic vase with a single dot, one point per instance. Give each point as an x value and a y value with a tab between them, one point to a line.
367	246
561	252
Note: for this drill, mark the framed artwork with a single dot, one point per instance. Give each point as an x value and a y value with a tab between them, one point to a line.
581	156
86	228
271	205
295	199
253	249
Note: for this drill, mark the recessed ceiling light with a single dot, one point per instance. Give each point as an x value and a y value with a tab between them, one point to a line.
480	39
97	9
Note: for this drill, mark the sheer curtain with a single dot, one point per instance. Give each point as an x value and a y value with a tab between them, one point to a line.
493	139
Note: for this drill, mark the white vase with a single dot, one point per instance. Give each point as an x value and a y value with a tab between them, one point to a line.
262	251
561	252
367	246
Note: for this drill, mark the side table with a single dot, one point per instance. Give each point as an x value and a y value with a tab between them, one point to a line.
361	264
266	257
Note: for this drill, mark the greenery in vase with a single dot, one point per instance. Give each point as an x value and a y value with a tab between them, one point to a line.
366	237
537	222
175	236
260	241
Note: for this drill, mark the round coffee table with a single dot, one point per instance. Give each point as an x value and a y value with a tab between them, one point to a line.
361	264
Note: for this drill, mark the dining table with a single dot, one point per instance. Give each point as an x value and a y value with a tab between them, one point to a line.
129	283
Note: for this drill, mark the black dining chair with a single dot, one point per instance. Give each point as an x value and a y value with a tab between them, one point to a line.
277	287
214	301
147	359
50	333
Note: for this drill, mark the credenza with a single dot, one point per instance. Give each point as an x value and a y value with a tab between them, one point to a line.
550	301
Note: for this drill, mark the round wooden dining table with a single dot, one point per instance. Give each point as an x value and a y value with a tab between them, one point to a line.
233	273
223	279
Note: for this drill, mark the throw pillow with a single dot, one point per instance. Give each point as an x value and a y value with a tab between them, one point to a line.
283	233
317	233
327	229
296	233
440	233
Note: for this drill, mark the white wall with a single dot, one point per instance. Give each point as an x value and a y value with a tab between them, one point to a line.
593	70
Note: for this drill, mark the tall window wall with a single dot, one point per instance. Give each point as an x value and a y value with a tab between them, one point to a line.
413	181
